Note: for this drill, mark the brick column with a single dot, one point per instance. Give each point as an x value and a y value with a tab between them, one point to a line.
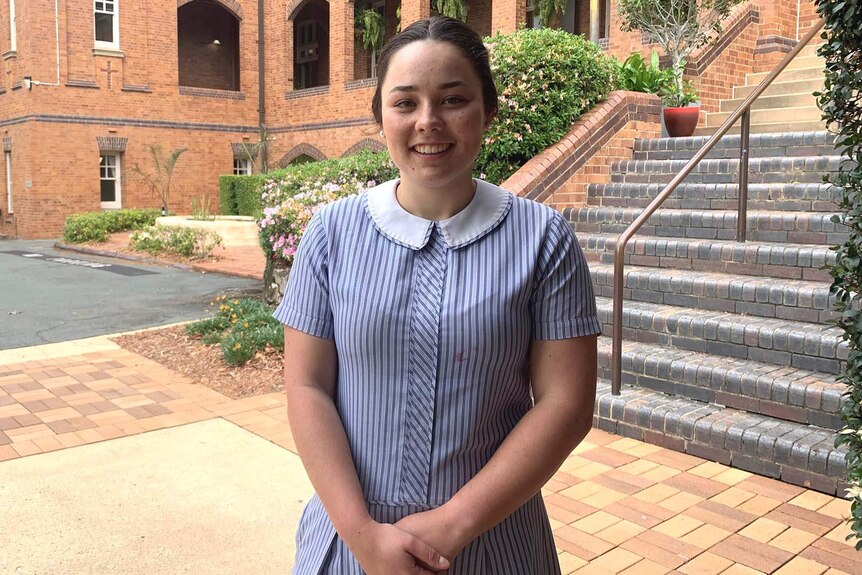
413	10
506	15
340	42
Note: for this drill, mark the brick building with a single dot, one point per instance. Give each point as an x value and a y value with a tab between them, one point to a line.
89	86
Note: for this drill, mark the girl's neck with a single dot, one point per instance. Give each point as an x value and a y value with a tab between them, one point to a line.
434	204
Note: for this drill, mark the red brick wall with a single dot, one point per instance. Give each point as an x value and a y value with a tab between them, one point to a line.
137	93
560	174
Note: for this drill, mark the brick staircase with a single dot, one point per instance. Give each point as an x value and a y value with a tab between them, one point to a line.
787	105
727	351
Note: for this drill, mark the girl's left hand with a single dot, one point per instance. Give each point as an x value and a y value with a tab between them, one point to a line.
437	529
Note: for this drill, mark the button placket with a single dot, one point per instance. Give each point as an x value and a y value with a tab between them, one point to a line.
422	367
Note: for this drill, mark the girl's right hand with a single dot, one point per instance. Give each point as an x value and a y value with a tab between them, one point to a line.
383	549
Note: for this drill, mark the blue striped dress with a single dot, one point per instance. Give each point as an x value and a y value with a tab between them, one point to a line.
512	272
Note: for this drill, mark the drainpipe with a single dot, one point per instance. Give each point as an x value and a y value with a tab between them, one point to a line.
261	85
594	21
29	80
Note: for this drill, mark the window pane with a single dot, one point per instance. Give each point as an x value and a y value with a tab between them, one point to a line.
104	28
100	6
110	160
109	190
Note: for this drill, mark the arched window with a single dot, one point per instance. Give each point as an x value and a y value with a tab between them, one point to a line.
208	40
311	45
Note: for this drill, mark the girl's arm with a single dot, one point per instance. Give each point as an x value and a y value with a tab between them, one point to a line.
310	368
563	376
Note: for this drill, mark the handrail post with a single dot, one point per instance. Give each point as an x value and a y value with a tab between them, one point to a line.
744	145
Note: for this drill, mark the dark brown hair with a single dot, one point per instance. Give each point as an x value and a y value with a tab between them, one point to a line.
439	29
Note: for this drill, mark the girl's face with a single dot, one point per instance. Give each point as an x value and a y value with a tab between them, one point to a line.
433	117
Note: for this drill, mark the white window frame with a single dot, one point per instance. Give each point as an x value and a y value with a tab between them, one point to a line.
241	167
115	13
118	178
9	208
13	43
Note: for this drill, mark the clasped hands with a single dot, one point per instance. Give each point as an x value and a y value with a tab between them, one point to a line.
420	544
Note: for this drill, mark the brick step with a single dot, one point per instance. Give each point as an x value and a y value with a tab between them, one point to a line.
785	393
792	227
814	347
807	197
787	261
792	452
779	88
795	75
787	100
806	169
778	145
767	128
807	112
806	61
793	300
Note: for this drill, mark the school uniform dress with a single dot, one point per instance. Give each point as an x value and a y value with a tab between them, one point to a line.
432	322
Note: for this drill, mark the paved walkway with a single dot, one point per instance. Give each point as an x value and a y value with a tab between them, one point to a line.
617	505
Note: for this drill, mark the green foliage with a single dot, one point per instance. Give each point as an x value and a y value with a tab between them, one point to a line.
242	327
185	241
635	75
672	97
545	79
842	108
158	178
95	226
370	29
456	9
679	26
550	8
240	195
227	196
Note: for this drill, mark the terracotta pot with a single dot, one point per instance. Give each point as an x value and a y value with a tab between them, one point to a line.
681	121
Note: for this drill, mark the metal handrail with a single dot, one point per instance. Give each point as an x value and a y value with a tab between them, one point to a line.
744	112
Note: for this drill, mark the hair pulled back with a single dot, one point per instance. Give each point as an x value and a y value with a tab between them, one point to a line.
439	29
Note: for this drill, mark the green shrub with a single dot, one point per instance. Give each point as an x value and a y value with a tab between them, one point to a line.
185	241
842	110
227	196
240	195
95	226
546	79
365	166
242	327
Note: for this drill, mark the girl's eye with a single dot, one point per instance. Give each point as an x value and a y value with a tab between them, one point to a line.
453	100
404	104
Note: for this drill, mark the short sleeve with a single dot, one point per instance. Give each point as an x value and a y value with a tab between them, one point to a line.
563	305
305	305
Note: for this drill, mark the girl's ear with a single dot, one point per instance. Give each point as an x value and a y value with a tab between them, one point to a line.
490	119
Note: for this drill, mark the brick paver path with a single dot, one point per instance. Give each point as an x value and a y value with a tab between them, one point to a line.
617	505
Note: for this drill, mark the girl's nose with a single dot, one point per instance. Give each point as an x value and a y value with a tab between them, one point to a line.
429	118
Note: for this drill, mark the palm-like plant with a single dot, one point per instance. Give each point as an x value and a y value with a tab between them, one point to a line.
159	178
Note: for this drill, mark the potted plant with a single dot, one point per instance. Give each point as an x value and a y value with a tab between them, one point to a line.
680	117
680	27
635	75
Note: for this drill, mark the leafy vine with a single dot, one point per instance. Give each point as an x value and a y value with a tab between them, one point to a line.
841	104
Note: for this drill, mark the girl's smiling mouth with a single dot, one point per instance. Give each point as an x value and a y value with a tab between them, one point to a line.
431	149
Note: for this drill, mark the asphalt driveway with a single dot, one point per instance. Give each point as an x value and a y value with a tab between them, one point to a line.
48	295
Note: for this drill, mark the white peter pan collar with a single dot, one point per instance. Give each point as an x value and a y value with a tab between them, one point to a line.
486	210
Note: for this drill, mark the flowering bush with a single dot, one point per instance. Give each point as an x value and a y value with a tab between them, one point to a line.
545	80
291	197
